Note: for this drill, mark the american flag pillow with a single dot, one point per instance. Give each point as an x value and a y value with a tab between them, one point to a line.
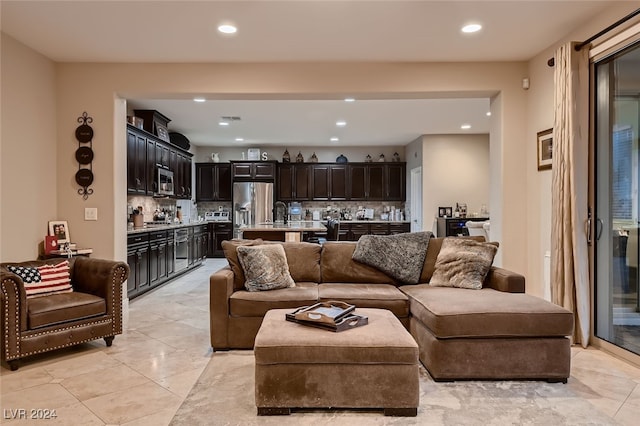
44	280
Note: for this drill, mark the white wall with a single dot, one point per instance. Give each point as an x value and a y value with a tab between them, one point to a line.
455	169
28	167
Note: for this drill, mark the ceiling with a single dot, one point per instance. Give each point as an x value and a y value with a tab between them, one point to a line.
299	31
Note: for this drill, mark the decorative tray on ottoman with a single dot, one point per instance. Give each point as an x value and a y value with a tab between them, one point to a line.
332	315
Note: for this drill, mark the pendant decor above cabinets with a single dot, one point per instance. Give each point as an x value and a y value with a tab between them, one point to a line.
84	155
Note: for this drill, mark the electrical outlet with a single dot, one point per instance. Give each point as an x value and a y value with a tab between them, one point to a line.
90	213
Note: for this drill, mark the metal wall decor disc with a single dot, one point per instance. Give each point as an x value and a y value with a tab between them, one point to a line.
84	133
84	177
84	155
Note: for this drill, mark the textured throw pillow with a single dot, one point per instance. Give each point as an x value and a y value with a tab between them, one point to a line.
265	267
463	263
401	256
44	280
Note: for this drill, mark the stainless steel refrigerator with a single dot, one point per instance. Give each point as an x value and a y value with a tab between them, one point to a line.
252	204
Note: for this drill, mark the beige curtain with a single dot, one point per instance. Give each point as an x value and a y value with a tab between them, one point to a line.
569	255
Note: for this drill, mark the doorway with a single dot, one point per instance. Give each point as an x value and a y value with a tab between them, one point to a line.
617	181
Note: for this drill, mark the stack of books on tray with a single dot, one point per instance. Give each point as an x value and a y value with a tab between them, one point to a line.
331	315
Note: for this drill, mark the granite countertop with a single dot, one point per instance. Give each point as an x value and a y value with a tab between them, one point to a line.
300	226
168	226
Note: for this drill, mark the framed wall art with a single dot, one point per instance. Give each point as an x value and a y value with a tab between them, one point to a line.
545	149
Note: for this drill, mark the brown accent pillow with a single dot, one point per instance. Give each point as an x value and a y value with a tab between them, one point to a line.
265	267
463	263
229	248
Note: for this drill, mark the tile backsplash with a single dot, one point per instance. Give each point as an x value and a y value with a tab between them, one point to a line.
150	204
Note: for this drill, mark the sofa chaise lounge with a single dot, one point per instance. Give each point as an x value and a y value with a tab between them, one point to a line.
497	332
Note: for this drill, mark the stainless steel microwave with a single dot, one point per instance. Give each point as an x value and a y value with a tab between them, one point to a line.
165	182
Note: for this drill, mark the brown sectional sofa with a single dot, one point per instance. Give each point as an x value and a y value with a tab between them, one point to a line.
497	332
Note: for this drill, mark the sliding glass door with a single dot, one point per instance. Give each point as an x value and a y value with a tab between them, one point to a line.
617	181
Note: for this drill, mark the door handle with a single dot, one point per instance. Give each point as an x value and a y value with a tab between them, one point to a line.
589	226
599	231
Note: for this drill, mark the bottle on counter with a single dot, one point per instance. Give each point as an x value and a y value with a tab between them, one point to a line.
179	214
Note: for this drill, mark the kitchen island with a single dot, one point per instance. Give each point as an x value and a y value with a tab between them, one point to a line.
291	231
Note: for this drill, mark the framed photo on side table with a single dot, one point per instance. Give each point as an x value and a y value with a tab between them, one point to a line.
445	211
60	229
545	149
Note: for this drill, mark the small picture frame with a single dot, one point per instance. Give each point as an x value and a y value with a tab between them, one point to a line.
60	229
445	211
545	149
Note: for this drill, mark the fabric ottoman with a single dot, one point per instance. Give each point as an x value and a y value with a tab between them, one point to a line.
373	366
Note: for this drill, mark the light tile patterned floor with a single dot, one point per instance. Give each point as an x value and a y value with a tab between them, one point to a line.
144	377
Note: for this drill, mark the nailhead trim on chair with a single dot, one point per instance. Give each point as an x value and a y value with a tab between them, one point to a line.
67	344
6	315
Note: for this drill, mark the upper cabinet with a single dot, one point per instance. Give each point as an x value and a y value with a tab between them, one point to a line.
136	163
338	181
294	182
329	181
145	153
396	182
253	170
213	182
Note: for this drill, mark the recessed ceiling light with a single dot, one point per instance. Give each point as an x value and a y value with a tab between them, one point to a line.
349	99
471	28
465	126
239	139
223	123
334	139
227	29
341	123
488	113
199	100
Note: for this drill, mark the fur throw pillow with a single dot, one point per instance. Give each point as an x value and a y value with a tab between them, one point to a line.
401	256
463	263
265	267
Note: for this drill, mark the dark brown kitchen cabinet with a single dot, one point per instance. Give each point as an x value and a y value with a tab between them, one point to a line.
357	230
145	153
396	182
358	175
158	268
294	182
253	170
399	228
152	185
377	182
376	189
352	231
136	162
329	182
138	260
219	232
182	175
199	243
213	182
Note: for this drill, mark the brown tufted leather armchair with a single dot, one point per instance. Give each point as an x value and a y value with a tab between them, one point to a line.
92	311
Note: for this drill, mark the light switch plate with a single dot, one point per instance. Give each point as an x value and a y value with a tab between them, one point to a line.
90	213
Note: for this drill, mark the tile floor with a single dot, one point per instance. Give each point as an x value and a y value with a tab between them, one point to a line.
150	369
